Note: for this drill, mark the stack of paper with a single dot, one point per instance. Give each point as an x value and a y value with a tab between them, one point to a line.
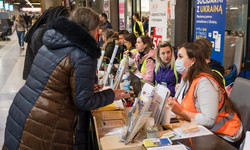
168	134
158	102
171	147
138	115
157	142
180	134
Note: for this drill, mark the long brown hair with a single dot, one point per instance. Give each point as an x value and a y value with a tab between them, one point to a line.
146	40
137	15
200	66
205	45
19	18
130	37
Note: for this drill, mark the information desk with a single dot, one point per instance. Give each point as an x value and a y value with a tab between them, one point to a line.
207	142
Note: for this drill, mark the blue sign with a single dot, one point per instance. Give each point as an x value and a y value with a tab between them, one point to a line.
210	18
11	8
1	4
6	6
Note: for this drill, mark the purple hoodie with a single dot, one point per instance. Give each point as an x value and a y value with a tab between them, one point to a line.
165	74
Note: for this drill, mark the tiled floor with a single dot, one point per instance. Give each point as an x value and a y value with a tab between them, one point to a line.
11	67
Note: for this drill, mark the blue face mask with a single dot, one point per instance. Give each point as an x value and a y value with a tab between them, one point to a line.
179	65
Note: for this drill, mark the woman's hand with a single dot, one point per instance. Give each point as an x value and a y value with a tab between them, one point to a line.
175	106
126	53
120	94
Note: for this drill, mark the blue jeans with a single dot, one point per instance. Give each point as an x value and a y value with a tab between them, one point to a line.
20	35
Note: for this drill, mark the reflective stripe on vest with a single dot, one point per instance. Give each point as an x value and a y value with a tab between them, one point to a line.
143	67
141	29
175	74
220	76
226	123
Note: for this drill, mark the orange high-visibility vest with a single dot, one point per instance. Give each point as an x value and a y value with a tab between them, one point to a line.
228	123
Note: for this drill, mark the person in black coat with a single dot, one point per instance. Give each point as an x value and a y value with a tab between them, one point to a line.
52	110
35	34
104	20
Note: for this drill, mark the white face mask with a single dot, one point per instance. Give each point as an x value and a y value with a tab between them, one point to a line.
179	65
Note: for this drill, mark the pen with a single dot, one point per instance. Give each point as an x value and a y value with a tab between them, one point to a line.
188	148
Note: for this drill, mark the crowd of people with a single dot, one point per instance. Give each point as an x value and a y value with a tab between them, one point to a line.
52	109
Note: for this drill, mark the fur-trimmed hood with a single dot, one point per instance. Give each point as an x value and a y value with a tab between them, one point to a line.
63	33
114	37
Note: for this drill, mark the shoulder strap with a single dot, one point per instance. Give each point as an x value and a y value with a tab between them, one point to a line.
216	71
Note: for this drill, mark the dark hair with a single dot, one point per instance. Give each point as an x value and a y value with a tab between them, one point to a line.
137	15
86	17
123	32
200	66
102	27
47	17
108	32
130	37
104	15
146	40
205	45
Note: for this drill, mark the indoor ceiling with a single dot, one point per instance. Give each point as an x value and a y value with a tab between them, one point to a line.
23	3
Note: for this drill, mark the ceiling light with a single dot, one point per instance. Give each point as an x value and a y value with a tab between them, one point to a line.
36	3
233	8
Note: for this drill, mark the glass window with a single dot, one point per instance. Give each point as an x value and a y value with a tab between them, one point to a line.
236	21
128	15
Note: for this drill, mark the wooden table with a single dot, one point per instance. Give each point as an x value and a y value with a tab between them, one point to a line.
208	142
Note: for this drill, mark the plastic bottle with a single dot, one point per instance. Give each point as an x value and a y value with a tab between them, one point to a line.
126	83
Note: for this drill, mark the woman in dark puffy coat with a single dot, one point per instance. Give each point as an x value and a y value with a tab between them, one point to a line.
52	109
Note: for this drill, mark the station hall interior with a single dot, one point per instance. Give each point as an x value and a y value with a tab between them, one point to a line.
180	28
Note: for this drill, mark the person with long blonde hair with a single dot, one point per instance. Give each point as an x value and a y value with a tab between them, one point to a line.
165	72
19	26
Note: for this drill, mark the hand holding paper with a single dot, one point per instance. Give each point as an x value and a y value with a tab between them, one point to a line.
120	94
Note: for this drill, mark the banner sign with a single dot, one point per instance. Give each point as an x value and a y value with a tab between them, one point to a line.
121	15
210	17
158	15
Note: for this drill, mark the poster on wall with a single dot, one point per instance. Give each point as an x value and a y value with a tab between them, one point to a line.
158	16
121	14
210	17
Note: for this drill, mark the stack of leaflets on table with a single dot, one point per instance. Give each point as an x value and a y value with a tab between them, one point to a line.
180	134
168	134
169	147
138	115
120	72
156	142
161	94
